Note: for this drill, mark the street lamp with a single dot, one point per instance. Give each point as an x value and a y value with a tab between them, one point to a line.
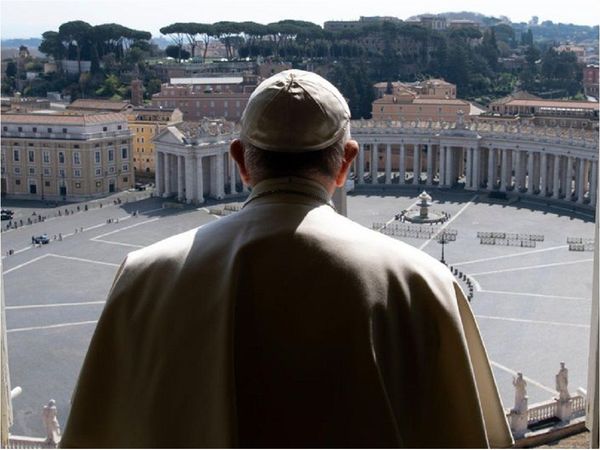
444	237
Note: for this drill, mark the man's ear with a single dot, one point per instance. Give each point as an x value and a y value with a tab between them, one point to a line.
237	150
350	152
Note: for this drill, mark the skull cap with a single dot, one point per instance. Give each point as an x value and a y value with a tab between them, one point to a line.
295	111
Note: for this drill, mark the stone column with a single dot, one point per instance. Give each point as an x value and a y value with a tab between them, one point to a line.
543	174
180	178
416	163
449	166
524	171
581	180
167	175
190	179
442	167
518	167
374	163
594	184
402	165
220	177
569	183
199	180
530	177
476	168
173	166
503	170
159	173
556	182
232	171
491	170
429	149
509	159
388	163
469	169
360	168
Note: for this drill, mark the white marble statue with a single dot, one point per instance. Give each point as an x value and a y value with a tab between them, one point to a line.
520	393
49	415
562	382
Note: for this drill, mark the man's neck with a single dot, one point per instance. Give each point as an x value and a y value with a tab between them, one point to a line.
326	182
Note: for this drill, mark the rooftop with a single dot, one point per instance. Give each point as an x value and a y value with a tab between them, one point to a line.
98	104
208	80
388	98
571	104
63	119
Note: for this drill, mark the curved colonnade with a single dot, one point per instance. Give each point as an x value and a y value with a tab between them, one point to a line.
546	162
555	163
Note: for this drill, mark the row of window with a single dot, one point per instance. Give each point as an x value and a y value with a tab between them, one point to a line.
51	130
76	172
46	156
174	104
59	145
33	184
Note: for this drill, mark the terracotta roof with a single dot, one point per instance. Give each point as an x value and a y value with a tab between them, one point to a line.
106	105
443	101
388	99
554	104
207	80
63	119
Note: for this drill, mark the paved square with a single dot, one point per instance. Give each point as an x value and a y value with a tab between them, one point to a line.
532	304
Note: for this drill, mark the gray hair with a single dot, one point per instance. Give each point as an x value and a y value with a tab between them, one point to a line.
262	164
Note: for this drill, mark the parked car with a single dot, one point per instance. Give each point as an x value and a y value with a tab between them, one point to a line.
140	187
7	214
41	239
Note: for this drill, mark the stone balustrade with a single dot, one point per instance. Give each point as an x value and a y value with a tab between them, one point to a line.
560	410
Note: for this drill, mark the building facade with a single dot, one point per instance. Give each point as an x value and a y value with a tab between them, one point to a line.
590	80
562	113
431	88
433	99
65	156
210	97
145	124
408	106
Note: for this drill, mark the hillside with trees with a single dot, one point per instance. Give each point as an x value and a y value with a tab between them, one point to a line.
474	58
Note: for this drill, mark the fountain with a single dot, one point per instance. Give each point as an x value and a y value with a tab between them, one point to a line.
422	212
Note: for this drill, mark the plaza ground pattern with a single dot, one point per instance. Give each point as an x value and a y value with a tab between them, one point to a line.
532	304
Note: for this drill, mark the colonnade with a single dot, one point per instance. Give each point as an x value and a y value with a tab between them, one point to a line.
528	160
192	176
536	171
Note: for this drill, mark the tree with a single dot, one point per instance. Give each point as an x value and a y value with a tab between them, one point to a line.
174	51
206	31
76	33
109	87
52	45
181	32
177	35
489	49
11	69
504	33
227	31
153	87
527	38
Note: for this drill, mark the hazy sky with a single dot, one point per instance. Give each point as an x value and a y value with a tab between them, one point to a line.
30	18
